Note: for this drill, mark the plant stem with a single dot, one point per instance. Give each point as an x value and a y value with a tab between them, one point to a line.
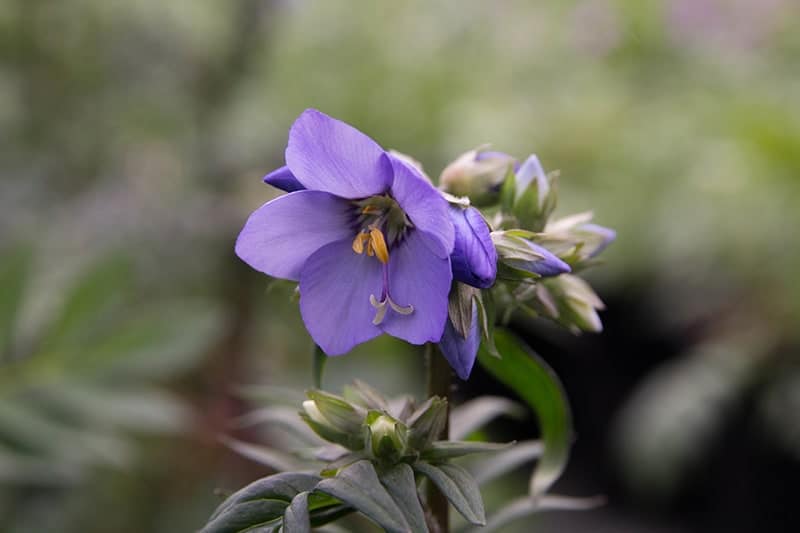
439	381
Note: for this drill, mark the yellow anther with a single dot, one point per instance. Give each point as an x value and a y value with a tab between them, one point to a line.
378	244
358	243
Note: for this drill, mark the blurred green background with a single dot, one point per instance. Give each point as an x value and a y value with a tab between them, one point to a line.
133	136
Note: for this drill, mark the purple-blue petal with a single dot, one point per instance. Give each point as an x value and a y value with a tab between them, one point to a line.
474	258
531	169
550	265
283	179
607	236
328	155
418	277
547	265
280	235
335	286
460	352
424	206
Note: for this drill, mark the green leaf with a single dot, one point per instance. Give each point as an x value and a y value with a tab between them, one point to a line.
14	270
536	383
427	423
318	366
358	486
268	496
402	487
506	461
296	518
88	303
262	455
474	414
448	449
526	506
459	488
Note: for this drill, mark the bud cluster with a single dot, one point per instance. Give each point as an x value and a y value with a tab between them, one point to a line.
513	255
367	427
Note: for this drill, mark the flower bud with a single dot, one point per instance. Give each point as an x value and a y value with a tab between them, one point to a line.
576	303
534	195
334	419
477	174
474	258
387	436
523	255
595	238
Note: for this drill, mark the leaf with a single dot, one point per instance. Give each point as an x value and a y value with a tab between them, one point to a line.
536	383
358	486
474	414
448	449
153	344
279	417
262	455
279	487
318	366
367	396
506	460
402	487
87	303
296	518
458	487
527	506
14	270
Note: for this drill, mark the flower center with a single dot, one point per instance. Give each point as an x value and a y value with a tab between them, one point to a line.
381	224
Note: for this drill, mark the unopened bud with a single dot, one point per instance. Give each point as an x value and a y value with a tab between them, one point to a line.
477	174
387	436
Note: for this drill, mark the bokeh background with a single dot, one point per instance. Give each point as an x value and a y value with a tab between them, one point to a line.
133	136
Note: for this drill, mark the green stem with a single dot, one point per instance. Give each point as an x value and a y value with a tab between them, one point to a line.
439	384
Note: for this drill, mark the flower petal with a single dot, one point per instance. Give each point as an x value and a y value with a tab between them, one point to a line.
424	205
474	257
335	286
460	352
328	155
281	234
283	179
420	278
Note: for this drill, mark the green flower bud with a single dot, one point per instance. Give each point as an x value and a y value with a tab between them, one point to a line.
477	174
534	195
576	303
334	419
387	436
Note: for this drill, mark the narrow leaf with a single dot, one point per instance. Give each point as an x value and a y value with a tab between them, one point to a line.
447	449
262	455
283	487
536	383
458	487
402	487
506	461
14	270
474	414
527	506
358	486
296	518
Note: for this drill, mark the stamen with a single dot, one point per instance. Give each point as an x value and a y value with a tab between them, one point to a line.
358	243
379	245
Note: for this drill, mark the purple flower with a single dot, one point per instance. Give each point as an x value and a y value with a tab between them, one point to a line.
461	351
548	265
367	237
474	257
